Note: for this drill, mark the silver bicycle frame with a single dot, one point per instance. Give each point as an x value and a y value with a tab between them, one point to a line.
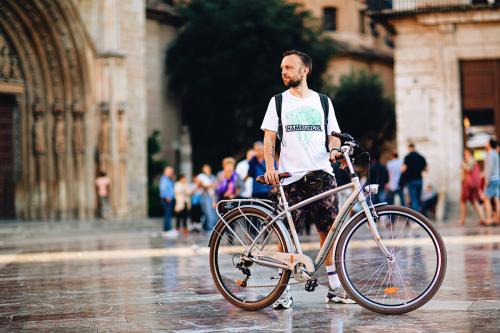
356	196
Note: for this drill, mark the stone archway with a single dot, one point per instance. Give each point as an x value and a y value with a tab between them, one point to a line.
44	65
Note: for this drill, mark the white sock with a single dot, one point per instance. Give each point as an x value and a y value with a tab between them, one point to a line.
333	279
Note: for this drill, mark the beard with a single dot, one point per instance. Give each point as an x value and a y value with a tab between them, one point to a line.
292	83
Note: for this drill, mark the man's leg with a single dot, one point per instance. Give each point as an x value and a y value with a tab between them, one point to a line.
487	209
415	189
463	212
167	222
325	212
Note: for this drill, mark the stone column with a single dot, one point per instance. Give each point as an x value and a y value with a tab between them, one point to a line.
40	152
60	150
122	141
78	156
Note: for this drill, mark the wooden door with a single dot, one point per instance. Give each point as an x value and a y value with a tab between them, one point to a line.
6	158
481	93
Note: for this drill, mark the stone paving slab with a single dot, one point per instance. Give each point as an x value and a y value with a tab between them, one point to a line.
133	281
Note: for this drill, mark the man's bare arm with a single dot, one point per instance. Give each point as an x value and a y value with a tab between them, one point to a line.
333	142
271	174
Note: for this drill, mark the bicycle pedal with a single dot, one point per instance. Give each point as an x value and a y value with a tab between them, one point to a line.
311	285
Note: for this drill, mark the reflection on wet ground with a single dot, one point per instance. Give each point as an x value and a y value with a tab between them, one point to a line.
133	281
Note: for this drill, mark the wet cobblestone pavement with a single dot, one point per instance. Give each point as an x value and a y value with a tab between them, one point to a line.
126	278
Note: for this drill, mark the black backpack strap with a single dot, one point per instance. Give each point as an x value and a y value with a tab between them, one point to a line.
326	106
278	100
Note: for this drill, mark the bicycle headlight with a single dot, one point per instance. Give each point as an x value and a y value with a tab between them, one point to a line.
371	189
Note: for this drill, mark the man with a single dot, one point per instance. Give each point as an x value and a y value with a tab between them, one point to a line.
492	182
242	171
168	202
303	152
413	166
379	176
394	169
257	167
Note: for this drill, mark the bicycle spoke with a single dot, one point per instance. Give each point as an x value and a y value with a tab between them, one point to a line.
401	281
261	282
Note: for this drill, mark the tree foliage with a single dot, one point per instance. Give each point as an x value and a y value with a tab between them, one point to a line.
155	169
224	68
363	111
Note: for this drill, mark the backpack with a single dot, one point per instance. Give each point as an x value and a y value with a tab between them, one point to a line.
278	99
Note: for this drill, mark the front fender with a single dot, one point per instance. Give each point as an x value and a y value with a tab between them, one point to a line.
279	224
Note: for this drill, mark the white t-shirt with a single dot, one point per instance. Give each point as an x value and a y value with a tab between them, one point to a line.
303	143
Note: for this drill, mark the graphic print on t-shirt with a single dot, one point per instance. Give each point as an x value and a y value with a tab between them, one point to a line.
304	120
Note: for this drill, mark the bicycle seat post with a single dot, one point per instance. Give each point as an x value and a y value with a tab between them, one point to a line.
289	218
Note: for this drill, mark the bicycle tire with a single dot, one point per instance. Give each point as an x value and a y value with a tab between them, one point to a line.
362	300
214	267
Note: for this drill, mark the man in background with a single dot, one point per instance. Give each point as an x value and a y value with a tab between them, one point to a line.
413	166
242	171
168	202
394	170
257	167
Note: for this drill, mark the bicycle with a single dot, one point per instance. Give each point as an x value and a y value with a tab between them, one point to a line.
389	259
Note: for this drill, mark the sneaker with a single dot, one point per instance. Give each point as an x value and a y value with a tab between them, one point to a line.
285	301
171	234
338	295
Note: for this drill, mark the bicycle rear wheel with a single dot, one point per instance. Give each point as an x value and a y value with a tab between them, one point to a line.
265	284
403	285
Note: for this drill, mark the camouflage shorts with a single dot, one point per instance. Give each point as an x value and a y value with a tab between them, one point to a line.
321	212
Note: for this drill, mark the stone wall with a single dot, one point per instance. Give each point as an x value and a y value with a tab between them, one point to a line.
428	50
118	30
163	114
132	42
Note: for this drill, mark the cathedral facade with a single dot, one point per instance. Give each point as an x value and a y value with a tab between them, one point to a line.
73	103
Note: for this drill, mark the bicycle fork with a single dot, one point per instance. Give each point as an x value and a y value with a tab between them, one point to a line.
374	230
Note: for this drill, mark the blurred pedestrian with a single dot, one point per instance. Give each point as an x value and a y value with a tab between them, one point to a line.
196	211
471	187
208	182
413	166
257	167
242	171
492	182
168	202
379	176
429	200
229	184
393	188
103	184
182	203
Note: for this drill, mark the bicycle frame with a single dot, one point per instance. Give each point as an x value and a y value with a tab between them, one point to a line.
356	196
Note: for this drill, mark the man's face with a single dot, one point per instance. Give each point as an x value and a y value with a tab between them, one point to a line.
293	71
169	172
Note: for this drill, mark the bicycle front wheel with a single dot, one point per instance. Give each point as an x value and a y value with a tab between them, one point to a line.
401	285
264	284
